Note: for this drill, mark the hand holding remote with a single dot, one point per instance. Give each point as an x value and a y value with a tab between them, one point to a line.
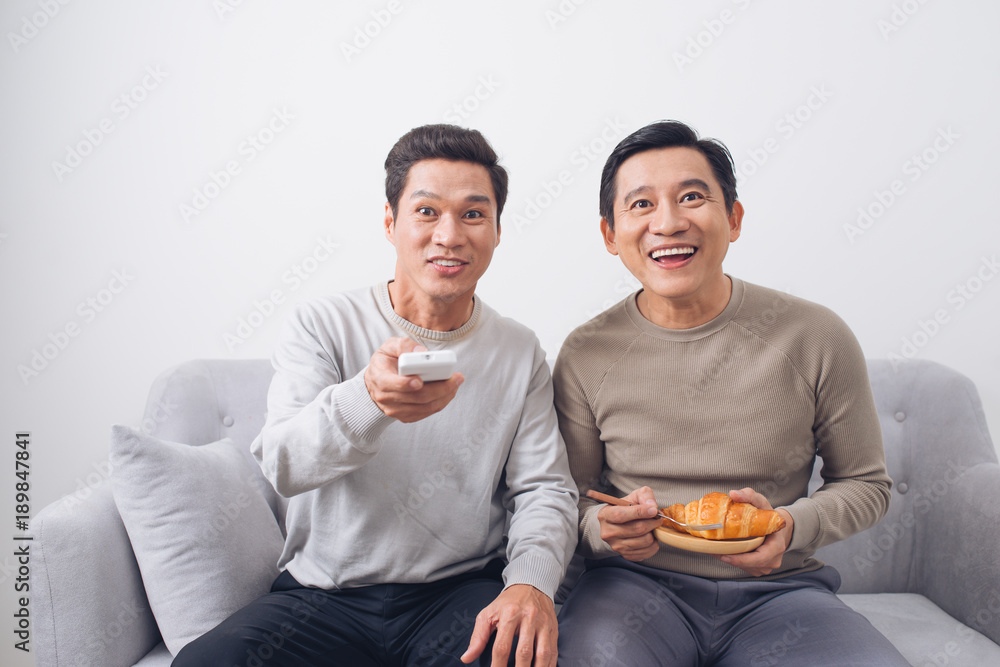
406	397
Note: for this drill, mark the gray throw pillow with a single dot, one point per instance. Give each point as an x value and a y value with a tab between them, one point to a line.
205	539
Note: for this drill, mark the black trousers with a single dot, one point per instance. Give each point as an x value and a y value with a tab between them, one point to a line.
383	625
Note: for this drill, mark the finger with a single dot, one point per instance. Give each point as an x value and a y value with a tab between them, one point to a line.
641	555
480	638
502	642
547	647
642	496
525	652
748	495
393	347
623	515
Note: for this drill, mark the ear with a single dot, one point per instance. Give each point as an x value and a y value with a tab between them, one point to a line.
735	221
608	232
389	223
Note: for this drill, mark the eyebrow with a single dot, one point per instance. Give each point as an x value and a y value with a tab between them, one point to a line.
417	194
634	192
694	182
427	194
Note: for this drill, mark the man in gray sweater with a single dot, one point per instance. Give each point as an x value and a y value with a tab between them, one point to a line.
423	517
701	382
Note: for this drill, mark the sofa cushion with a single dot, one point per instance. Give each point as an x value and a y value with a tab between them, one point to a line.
923	632
205	539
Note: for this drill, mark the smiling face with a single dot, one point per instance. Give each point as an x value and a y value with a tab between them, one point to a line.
672	231
444	231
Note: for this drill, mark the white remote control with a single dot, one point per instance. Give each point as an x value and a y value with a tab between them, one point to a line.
429	366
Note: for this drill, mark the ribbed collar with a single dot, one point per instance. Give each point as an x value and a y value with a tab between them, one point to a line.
421	334
717	323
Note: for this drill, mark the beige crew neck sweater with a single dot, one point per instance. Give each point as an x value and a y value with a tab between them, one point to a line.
747	399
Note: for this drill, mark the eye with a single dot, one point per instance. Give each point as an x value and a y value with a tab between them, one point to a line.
426	211
692	196
641	203
473	214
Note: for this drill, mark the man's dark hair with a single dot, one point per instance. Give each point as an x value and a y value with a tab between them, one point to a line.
667	134
447	142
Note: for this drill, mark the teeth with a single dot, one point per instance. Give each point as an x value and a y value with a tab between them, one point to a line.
446	262
672	251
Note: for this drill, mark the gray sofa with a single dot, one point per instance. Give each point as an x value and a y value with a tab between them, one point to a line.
928	576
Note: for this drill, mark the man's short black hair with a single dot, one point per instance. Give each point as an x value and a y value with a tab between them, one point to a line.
667	134
447	142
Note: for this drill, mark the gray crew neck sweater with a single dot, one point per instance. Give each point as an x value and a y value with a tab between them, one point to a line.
373	500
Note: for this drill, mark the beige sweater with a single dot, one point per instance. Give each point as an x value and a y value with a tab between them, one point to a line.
748	399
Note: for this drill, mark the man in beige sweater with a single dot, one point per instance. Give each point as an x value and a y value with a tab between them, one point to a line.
702	382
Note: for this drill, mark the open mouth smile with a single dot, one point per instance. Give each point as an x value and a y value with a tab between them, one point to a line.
673	257
446	266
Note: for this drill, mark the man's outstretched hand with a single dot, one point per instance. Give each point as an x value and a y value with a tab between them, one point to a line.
404	397
522	611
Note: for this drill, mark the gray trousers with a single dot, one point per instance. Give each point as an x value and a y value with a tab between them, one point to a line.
623	614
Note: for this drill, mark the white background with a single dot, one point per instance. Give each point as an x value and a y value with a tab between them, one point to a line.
824	106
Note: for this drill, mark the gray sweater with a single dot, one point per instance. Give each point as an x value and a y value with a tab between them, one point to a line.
373	500
747	399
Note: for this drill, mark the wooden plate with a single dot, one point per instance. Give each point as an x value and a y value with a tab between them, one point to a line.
703	546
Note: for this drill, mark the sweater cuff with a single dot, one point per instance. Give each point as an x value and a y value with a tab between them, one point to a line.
592	546
360	414
805	530
540	571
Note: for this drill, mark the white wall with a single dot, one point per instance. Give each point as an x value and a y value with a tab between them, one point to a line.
833	100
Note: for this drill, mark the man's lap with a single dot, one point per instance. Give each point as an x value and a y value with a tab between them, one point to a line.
625	614
390	624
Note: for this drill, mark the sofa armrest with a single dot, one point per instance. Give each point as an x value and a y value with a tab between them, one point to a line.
89	604
959	563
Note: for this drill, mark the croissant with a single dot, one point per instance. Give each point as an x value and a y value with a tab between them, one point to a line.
739	520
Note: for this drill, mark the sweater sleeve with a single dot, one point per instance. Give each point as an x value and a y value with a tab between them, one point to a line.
540	494
855	490
585	451
319	425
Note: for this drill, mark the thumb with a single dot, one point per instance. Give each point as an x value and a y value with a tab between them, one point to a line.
480	638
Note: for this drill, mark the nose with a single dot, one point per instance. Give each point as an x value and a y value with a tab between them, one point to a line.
448	232
669	220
